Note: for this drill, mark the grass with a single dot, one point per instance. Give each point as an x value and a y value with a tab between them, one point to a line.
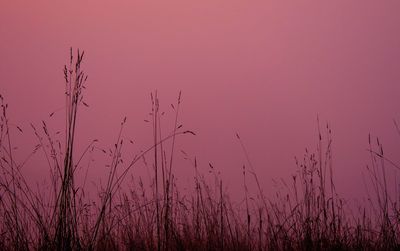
307	214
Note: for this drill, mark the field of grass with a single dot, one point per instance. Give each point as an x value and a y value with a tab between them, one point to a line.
308	215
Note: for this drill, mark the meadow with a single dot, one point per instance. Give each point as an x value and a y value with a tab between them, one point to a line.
307	214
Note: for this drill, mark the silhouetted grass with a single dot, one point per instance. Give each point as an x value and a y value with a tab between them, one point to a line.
307	214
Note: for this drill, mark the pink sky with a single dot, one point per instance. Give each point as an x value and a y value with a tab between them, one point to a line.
264	69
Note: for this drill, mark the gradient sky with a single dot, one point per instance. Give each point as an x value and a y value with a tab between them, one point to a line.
262	68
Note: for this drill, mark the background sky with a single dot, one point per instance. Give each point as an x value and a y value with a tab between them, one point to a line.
265	69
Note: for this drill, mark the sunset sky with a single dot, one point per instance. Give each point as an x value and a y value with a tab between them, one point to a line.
265	69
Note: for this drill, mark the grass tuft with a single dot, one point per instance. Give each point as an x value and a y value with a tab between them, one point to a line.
307	213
